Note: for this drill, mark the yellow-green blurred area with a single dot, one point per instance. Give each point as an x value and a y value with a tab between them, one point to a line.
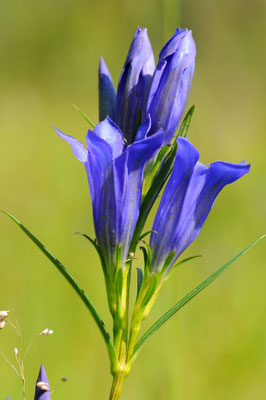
214	348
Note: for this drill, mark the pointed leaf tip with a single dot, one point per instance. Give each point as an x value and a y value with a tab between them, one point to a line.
186	122
84	116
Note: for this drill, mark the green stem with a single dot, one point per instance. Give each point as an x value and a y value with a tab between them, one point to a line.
133	338
117	385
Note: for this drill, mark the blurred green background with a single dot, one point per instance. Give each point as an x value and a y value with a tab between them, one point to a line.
49	51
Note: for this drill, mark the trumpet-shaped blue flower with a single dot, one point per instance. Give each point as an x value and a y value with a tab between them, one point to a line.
114	173
162	92
187	201
134	84
42	391
171	83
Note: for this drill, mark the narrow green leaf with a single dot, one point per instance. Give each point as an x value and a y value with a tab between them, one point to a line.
145	234
189	297
96	316
154	169
186	122
84	116
160	156
150	291
180	263
140	279
147	254
168	262
184	261
97	248
153	192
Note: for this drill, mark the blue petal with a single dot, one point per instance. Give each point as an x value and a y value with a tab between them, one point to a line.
206	183
143	129
128	193
78	149
100	164
115	178
134	84
39	393
172	202
180	43
111	134
171	84
81	154
187	202
107	95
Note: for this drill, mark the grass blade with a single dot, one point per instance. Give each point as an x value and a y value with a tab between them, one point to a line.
189	297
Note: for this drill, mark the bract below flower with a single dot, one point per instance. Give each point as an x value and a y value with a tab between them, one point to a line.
187	201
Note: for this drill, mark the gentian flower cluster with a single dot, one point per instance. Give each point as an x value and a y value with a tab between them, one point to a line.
138	133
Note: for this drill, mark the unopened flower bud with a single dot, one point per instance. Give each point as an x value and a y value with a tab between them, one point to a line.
171	83
64	379
134	84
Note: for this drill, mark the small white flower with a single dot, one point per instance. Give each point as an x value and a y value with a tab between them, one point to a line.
3	314
44	387
47	332
2	324
15	351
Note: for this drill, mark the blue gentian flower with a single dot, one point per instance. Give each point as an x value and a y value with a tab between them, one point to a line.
171	83
134	84
42	391
162	92
186	202
115	173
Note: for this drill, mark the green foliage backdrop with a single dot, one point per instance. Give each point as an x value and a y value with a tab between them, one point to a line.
49	51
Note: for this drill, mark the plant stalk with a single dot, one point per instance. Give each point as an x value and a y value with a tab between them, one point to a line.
117	385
